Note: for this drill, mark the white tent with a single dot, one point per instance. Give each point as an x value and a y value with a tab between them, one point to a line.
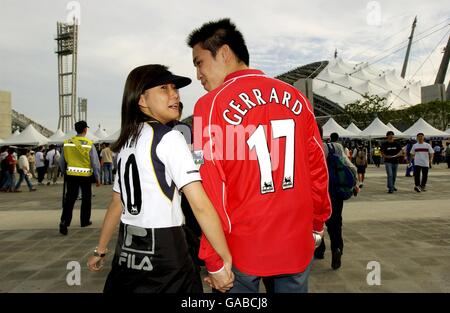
447	130
331	126
100	133
421	126
376	129
57	137
395	130
354	129
89	135
113	137
29	137
16	133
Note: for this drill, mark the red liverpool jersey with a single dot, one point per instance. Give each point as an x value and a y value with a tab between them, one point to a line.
265	172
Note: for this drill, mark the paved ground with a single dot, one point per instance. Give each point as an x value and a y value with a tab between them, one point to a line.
408	234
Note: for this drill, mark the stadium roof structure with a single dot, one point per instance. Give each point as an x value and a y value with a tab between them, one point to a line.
337	83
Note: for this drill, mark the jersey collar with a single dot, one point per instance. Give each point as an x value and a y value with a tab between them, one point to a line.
243	73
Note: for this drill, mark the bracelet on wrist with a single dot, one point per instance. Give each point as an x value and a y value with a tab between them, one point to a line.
102	255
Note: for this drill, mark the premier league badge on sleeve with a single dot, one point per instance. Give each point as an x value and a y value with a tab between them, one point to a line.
198	157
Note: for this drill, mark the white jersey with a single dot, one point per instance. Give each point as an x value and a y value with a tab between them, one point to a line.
421	152
150	174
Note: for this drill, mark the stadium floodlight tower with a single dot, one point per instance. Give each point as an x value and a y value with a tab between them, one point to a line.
67	46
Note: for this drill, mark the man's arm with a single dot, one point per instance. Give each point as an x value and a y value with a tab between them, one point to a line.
318	173
95	164
431	153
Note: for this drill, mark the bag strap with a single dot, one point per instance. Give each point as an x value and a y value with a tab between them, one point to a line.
331	148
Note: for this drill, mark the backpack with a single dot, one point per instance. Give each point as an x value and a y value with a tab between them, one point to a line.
340	178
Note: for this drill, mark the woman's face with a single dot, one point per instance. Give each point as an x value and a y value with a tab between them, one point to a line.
161	102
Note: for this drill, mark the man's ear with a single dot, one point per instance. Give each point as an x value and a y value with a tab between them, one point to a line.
226	53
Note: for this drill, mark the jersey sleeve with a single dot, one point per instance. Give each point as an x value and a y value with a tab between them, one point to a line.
213	180
319	175
174	153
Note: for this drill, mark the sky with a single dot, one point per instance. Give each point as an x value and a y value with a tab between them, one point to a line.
116	36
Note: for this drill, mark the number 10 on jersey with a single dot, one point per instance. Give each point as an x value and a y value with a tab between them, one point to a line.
258	141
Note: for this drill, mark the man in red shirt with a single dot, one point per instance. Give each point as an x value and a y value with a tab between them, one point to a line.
263	165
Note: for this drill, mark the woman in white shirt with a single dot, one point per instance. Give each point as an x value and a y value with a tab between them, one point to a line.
153	165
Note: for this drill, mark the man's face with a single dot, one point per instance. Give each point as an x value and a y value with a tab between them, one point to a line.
420	138
211	71
390	137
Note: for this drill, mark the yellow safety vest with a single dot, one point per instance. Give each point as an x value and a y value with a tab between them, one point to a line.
76	154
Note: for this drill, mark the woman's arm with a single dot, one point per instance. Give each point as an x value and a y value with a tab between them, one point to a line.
110	222
208	219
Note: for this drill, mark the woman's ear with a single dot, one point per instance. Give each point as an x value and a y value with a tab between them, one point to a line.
141	102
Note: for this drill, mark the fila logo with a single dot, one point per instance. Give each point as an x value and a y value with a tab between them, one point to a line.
132	255
130	259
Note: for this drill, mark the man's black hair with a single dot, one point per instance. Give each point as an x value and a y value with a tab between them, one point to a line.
215	34
334	137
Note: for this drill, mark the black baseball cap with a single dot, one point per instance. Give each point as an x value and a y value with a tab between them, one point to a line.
166	77
80	126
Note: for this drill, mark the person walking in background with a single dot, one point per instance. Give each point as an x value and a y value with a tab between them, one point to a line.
32	163
437	154
52	158
361	163
391	152
422	152
24	170
79	161
409	159
40	164
257	201
334	224
10	165
376	156
4	166
447	154
106	157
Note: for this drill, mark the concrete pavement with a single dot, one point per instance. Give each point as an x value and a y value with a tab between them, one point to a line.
406	233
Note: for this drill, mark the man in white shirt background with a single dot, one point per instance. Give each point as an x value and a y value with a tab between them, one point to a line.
40	164
422	153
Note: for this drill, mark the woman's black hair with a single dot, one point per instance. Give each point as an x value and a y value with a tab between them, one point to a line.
132	116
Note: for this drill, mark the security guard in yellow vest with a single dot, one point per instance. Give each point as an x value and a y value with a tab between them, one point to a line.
79	161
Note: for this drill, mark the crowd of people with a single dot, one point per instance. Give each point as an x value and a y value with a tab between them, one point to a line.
40	166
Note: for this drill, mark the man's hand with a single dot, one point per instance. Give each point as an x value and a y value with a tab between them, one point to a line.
318	237
223	280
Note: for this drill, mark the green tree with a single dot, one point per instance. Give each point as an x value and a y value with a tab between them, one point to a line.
363	111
